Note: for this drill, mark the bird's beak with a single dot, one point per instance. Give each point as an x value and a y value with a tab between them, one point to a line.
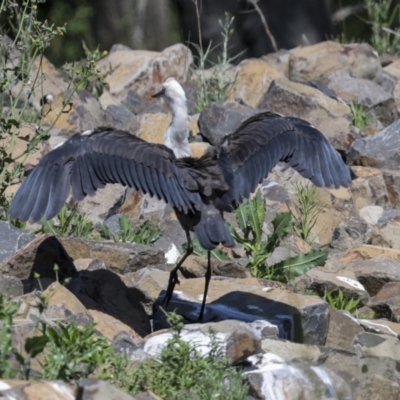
160	93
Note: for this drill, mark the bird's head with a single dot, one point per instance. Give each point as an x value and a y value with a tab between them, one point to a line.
172	91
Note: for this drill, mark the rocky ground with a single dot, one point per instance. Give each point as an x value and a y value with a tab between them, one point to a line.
293	345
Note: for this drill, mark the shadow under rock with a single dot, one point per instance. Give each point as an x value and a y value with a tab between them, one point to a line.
104	291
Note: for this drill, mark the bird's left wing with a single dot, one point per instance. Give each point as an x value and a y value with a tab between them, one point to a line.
249	154
86	162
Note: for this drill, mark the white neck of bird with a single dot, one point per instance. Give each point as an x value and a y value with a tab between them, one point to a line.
177	135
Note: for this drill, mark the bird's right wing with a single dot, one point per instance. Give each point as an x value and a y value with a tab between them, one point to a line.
249	154
86	162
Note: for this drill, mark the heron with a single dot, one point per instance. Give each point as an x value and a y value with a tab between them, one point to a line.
200	189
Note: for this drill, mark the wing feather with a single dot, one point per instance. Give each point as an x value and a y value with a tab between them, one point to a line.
86	163
249	154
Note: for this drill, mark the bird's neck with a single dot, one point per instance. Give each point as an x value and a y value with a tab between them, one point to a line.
177	135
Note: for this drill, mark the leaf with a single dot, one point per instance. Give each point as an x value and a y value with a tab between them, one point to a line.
241	219
299	265
35	345
282	224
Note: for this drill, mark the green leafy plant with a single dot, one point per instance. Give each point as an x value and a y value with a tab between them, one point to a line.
85	73
215	82
145	234
381	16
337	301
10	359
250	218
360	116
72	352
18	83
307	211
183	372
70	223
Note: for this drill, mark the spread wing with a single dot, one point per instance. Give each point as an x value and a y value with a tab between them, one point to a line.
249	154
87	162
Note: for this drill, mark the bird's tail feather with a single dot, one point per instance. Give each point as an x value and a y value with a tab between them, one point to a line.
211	229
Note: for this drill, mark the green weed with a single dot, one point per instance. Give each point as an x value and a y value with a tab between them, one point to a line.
183	372
22	76
10	359
360	116
215	82
381	16
307	209
250	217
337	301
70	223
145	234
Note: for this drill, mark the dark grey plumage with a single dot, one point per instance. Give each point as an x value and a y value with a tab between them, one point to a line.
198	189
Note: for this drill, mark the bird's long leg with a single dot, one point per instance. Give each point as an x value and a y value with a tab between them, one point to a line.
208	278
173	276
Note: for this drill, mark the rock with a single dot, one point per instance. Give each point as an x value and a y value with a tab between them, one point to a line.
43	390
378	151
95	389
82	113
195	267
278	60
293	99
110	327
89	264
377	388
142	206
276	379
372	344
289	351
371	214
104	291
352	367
118	257
392	182
321	60
12	239
119	117
358	90
369	188
218	120
20	146
374	273
253	78
299	317
40	256
383	114
367	252
394	70
56	295
355	232
324	279
386	303
356	368
103	204
49	82
237	339
10	286
391	230
381	326
140	71
342	330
